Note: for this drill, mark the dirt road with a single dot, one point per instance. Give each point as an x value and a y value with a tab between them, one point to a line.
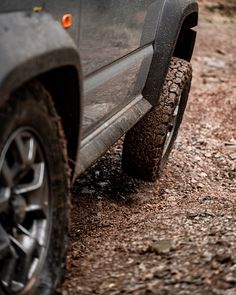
176	236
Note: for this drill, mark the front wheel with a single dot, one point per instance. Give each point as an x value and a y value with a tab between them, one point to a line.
34	193
148	144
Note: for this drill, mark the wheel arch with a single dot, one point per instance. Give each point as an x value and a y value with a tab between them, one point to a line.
45	52
186	38
174	37
62	84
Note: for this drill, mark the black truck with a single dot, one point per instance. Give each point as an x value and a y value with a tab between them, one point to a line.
74	77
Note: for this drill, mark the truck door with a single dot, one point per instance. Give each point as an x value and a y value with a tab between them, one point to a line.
113	54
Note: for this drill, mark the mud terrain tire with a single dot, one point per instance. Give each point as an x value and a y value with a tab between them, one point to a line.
148	144
30	112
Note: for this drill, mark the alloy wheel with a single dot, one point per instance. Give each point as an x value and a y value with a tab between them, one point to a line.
24	210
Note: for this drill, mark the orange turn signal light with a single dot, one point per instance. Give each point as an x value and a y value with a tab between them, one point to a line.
67	20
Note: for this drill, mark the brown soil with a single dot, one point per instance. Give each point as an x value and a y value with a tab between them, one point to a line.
176	236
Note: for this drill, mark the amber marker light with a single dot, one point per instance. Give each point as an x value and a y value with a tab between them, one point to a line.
67	20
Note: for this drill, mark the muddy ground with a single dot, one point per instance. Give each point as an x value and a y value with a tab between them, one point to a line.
178	235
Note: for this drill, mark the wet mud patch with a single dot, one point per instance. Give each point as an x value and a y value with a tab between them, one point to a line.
106	180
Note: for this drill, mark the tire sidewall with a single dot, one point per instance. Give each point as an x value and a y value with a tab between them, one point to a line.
26	111
182	105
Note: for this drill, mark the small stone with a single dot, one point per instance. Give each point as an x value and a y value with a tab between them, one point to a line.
214	265
223	256
207	256
154	287
161	247
159	271
232	174
229	278
103	184
233	156
197	159
86	190
203	174
192	215
230	143
200	185
193	181
214	63
208	155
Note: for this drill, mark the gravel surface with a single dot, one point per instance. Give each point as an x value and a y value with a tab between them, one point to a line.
175	236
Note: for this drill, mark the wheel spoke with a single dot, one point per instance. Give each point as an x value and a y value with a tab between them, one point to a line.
26	149
21	149
27	248
36	183
24	231
4	242
9	268
32	148
7	174
5	194
36	234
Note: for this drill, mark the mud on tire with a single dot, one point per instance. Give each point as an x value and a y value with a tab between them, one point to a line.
29	116
148	144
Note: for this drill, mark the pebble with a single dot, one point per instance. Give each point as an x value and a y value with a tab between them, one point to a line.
200	185
223	256
192	215
207	256
214	63
233	156
161	247
203	174
86	190
230	278
103	184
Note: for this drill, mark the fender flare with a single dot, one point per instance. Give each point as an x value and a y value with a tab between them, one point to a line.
35	45
32	44
170	21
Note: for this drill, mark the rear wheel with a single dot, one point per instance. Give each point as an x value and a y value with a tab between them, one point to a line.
34	193
148	144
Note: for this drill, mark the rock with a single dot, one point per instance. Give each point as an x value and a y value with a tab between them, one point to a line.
103	184
214	63
192	215
232	174
223	256
203	174
233	156
214	265
200	185
230	278
230	143
161	247
86	190
160	271
218	155
206	214
154	287
207	256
